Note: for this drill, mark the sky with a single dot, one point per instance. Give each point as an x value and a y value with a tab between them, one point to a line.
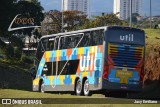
99	6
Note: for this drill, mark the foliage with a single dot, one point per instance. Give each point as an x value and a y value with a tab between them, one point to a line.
106	20
26	59
134	18
8	11
31	10
9	52
145	23
2	44
17	53
53	21
73	19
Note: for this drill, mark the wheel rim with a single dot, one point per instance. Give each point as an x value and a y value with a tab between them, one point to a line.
86	87
79	87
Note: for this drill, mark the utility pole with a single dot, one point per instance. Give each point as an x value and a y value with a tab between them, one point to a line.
130	24
62	15
150	14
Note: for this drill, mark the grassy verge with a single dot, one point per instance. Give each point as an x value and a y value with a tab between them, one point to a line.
8	93
89	105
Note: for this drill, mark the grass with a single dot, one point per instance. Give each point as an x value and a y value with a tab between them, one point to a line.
8	93
90	105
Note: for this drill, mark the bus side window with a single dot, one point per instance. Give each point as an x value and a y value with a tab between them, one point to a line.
86	40
51	44
45	43
56	43
49	68
70	41
97	37
70	68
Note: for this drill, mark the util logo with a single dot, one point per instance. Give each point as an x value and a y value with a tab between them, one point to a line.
129	37
89	61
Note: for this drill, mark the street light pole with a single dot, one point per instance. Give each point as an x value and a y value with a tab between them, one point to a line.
130	13
62	15
150	14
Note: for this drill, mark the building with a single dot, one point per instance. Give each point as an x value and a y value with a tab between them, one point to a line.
81	5
122	8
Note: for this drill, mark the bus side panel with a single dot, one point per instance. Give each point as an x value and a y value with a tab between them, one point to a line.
90	66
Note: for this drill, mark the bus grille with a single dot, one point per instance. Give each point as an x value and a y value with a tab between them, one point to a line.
125	55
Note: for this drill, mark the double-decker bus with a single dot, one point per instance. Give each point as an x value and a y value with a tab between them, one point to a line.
102	58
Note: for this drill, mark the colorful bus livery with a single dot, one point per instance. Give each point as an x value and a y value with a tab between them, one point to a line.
125	59
90	59
103	58
126	62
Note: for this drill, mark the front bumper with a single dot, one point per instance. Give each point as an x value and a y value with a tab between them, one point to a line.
121	87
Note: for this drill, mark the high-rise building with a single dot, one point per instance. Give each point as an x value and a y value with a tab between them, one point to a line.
122	8
81	5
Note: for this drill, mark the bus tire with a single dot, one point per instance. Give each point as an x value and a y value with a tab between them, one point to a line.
78	88
41	87
85	88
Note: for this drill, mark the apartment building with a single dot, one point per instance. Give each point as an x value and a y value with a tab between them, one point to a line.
81	5
122	8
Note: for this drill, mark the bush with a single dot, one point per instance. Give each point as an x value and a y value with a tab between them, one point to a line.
26	59
9	52
17	53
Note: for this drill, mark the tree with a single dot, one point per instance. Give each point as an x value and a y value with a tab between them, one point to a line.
9	9
8	12
74	19
52	22
105	20
134	17
33	10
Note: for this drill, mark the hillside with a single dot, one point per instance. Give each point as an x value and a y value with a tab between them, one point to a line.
14	77
152	65
152	40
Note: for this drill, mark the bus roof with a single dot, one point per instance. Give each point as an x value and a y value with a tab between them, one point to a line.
122	27
74	32
91	29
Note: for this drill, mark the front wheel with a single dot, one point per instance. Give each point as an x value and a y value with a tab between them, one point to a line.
41	87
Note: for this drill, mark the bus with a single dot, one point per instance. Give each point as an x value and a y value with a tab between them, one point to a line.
95	59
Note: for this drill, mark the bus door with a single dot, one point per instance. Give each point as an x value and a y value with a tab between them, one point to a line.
67	66
50	67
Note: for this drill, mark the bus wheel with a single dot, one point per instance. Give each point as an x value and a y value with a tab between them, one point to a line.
41	87
78	88
85	88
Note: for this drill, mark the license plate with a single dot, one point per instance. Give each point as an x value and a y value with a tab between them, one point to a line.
124	76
